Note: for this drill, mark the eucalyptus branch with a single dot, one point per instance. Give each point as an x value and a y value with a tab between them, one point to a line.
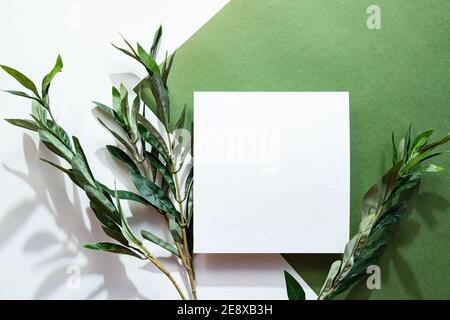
109	213
383	206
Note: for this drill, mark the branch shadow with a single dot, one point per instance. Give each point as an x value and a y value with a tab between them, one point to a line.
49	186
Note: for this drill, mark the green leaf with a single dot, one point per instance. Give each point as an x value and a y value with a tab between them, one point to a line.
80	153
377	239
406	183
111	113
111	247
133	118
104	218
55	145
22	94
395	158
390	179
128	53
370	201
150	135
123	194
118	137
56	166
391	216
161	98
166	71
38	111
116	101
60	133
22	79
121	156
436	144
294	289
163	170
429	168
81	172
160	242
24	123
124	103
103	203
155	43
147	60
175	230
144	90
116	235
49	77
421	140
154	194
328	284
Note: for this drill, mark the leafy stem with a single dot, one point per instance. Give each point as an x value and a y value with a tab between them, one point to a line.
187	257
383	205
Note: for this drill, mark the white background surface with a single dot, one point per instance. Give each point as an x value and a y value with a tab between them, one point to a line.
263	161
44	220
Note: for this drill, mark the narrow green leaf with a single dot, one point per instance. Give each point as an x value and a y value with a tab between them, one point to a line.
116	101
154	194
111	247
24	123
103	217
165	74
22	79
328	284
294	289
161	98
38	111
160	242
128	53
150	135
406	183
395	158
391	216
111	113
22	94
421	140
81	172
370	201
103	203
133	118
55	145
116	235
429	168
59	133
121	156
49	77
123	194
118	137
124	109
156	38
163	170
80	153
175	230
147	60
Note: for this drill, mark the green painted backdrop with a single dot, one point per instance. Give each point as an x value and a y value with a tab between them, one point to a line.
396	75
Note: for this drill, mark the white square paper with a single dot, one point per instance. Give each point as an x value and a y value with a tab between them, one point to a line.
272	172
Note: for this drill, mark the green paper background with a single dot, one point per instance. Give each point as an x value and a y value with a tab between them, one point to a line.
395	76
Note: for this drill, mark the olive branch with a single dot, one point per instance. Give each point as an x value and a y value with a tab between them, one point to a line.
155	158
383	205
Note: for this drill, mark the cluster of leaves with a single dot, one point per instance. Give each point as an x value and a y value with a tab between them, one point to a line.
383	205
154	159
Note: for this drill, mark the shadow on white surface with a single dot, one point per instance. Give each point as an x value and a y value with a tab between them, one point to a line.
50	191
